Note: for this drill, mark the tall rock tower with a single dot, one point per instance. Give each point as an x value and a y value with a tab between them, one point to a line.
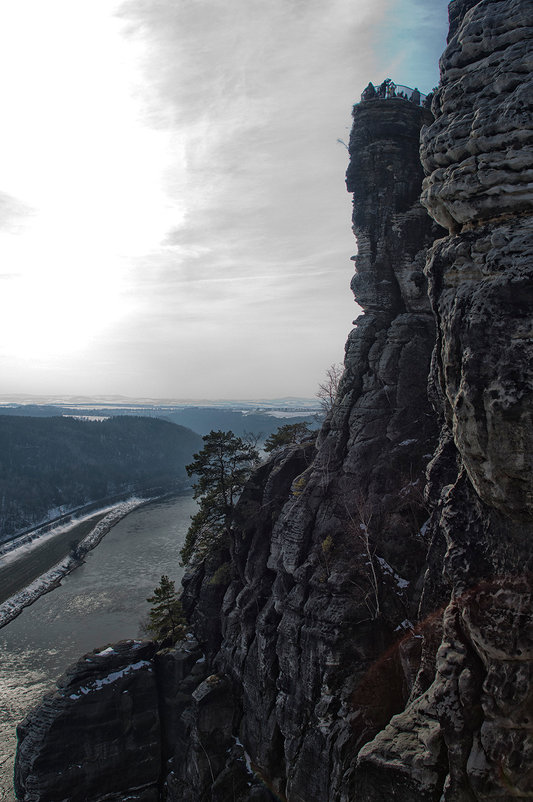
468	736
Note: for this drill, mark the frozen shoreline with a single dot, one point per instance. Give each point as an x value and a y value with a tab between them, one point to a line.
13	606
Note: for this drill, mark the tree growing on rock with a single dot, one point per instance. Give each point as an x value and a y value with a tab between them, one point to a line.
223	467
288	434
327	390
165	619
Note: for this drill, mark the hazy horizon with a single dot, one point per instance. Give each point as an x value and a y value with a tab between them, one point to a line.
173	216
122	400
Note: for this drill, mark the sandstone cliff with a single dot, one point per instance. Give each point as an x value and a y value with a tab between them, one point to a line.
99	728
364	638
469	736
328	554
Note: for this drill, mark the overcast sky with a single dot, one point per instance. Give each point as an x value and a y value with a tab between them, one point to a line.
173	216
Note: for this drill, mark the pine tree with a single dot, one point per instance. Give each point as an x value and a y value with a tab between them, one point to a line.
166	618
223	467
288	434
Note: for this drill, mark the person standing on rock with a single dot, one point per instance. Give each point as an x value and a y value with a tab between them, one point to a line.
369	92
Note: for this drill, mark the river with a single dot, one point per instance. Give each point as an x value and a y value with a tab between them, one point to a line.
102	601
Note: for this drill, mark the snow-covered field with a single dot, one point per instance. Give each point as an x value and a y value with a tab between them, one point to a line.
49	580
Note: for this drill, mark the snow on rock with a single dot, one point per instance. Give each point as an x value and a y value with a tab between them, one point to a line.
113	677
93	709
389	570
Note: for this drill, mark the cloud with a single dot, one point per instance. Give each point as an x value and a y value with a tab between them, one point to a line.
255	97
14	213
256	93
191	192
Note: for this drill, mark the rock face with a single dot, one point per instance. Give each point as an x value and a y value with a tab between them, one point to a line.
468	737
365	638
328	550
114	720
98	734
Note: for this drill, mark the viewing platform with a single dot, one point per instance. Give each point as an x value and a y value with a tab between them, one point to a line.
389	90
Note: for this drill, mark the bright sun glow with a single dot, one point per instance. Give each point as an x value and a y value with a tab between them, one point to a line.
77	156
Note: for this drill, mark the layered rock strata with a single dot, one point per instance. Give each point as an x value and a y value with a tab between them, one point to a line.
97	734
309	623
469	736
328	551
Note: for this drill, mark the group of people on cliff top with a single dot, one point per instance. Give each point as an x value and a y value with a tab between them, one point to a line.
388	89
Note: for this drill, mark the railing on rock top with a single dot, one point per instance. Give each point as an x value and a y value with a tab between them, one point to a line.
388	90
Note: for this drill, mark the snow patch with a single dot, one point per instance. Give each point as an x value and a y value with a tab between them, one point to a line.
97	684
389	570
406	624
14	549
247	758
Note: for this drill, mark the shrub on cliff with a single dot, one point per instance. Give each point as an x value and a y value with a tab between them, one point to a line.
165	619
223	467
288	434
328	389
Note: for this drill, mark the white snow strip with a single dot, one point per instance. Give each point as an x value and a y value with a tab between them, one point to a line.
99	683
408	442
401	583
87	417
13	549
109	650
11	608
247	758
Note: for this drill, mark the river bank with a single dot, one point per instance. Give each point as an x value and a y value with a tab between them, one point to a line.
38	565
102	601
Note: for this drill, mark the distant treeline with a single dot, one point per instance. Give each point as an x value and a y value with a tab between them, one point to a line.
204	419
200	419
52	462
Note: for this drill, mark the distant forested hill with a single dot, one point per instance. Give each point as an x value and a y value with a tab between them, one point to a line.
46	463
200	419
203	419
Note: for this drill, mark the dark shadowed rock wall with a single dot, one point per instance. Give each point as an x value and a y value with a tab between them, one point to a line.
98	734
328	552
469	736
368	633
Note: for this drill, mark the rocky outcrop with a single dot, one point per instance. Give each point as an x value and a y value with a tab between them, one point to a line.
367	636
468	737
97	735
114	721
